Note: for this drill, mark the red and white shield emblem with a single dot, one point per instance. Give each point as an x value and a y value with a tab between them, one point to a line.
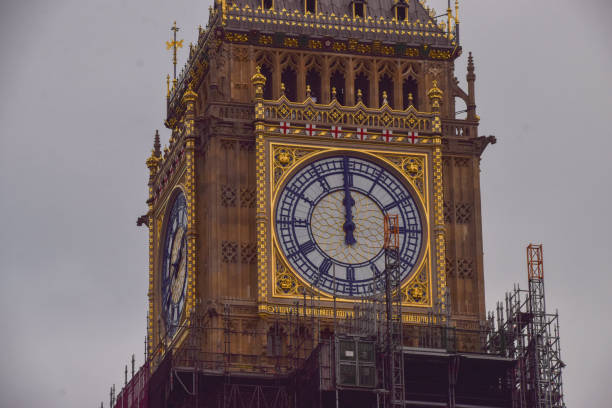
362	133
336	132
413	137
387	135
284	127
311	129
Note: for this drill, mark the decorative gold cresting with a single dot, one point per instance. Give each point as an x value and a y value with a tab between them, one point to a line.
189	99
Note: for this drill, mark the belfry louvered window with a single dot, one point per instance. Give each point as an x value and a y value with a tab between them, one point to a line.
310	6
359	8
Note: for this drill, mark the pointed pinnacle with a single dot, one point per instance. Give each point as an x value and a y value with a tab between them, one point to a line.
470	62
156	145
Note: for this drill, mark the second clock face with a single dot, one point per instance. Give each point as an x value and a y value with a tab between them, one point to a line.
329	221
174	268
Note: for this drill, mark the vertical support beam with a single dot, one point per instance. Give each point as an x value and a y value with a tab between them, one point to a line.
276	75
374	101
301	79
324	98
398	102
435	97
259	81
350	82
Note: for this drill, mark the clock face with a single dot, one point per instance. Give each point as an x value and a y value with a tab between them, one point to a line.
174	268
330	224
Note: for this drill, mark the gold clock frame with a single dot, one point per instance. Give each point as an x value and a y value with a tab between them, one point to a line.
278	158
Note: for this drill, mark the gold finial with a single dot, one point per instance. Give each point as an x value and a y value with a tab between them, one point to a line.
435	96
259	81
359	95
449	15
410	98
334	93
168	86
456	11
258	77
308	91
173	45
282	88
153	160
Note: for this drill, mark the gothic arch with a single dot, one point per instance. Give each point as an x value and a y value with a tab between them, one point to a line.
289	65
314	69
363	81
386	83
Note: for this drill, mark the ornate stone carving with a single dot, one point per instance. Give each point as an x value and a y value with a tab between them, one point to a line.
229	252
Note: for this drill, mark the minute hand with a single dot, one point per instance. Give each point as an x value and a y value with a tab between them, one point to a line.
349	225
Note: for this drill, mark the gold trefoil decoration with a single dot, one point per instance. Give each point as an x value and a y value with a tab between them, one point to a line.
417	290
285	158
412	167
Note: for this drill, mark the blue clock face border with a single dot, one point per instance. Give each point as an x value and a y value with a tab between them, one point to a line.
328	222
174	265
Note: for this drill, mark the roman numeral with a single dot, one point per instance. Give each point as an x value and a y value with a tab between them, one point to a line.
325	266
322	179
375	269
403	230
349	179
296	193
295	222
350	274
397	203
307	247
324	184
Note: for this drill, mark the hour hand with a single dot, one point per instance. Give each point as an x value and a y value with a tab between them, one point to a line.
349	227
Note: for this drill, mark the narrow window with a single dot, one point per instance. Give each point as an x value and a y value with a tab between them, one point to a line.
400	13
267	72
386	85
310	6
339	82
267	4
289	78
313	79
362	83
410	89
358	9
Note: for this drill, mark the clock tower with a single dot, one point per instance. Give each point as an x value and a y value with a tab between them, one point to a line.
297	128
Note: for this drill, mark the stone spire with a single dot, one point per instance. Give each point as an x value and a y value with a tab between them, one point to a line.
153	160
471	78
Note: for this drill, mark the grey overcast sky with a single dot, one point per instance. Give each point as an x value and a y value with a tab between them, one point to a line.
82	92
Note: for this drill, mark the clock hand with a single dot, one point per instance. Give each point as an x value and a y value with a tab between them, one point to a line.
349	225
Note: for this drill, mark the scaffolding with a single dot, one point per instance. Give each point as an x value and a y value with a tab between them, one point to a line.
393	305
369	357
524	331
